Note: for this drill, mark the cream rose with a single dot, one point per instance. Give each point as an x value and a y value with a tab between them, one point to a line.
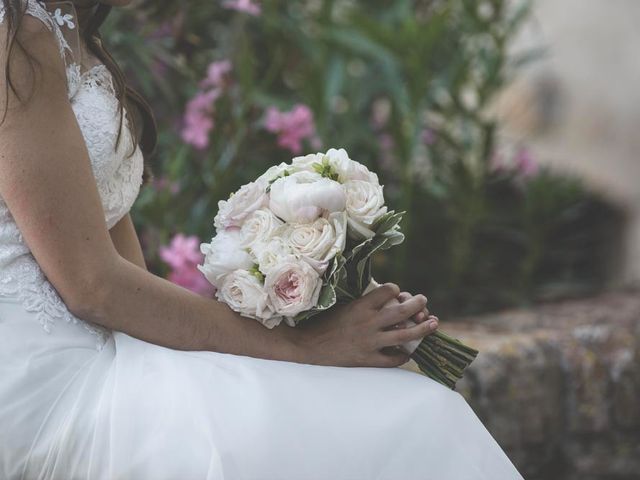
293	287
245	294
365	205
232	212
224	255
270	252
304	196
318	242
259	226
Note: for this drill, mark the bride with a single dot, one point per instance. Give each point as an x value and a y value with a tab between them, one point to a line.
110	372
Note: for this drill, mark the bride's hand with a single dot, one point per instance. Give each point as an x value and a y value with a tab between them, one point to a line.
419	317
361	333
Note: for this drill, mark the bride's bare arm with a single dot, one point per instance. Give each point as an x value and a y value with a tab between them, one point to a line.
48	185
124	238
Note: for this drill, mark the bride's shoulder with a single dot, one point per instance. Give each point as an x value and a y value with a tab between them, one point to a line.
30	51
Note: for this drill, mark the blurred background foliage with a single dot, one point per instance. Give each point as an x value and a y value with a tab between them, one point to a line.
407	87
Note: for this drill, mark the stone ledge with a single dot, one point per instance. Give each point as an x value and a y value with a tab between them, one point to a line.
558	385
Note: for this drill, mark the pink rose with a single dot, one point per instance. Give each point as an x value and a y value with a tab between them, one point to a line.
293	287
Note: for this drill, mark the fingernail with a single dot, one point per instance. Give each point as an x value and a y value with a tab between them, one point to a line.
433	325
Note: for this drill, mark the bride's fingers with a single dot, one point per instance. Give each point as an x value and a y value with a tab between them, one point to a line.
403	335
418	317
392	314
379	296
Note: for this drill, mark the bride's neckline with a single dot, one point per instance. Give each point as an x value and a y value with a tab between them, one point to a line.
93	68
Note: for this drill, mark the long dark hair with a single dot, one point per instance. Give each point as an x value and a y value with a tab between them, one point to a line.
143	125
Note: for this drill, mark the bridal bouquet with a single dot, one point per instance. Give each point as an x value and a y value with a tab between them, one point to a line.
299	239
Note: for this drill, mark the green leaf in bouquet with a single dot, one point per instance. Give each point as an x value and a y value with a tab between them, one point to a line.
387	222
394	237
357	249
327	298
363	266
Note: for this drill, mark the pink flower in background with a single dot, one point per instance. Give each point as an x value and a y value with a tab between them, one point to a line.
162	183
525	163
192	279
516	161
183	255
246	6
182	251
198	117
215	74
198	120
292	127
387	144
428	136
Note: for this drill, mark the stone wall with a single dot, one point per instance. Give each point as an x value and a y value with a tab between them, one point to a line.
558	386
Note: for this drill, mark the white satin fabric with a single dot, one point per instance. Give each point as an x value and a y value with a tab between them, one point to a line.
78	402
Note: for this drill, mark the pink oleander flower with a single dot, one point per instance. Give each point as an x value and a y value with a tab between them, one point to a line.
183	255
292	127
163	183
246	6
192	279
525	164
198	118
387	145
182	251
215	74
428	136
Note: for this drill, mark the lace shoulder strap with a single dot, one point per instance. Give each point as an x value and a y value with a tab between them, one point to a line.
60	19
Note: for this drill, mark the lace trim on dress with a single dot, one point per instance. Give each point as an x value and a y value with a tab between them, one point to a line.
63	16
118	182
26	281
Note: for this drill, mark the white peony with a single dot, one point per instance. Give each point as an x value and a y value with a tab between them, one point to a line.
365	205
318	242
293	287
348	169
272	173
270	252
341	165
232	212
305	162
258	226
304	196
245	294
224	255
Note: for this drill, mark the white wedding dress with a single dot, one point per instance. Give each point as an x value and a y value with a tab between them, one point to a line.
78	402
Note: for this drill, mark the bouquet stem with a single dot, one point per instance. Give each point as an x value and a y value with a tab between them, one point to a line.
443	358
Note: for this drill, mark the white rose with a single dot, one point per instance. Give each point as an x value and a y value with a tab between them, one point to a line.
270	253
224	255
304	196
365	205
245	294
293	286
258	227
318	242
232	212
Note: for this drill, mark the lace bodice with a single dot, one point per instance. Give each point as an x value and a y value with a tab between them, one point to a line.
118	177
